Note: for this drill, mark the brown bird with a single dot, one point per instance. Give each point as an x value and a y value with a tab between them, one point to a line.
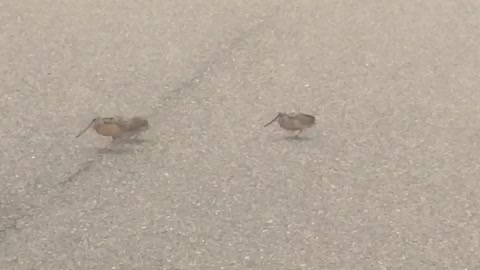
117	127
294	122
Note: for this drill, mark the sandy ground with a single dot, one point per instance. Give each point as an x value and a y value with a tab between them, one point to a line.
387	179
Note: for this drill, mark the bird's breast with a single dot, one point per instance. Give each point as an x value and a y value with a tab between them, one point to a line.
289	123
108	130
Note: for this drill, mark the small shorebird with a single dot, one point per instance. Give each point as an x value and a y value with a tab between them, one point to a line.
294	121
117	127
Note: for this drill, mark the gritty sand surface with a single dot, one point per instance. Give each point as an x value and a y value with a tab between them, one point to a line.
387	179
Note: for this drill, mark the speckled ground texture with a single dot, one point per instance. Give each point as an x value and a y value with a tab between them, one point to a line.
387	179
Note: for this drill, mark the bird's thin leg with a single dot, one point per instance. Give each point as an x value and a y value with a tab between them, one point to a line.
115	140
298	134
135	135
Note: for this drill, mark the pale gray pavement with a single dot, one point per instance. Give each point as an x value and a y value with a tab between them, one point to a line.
389	178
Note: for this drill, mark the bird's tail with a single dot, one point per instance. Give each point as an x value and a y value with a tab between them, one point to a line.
138	123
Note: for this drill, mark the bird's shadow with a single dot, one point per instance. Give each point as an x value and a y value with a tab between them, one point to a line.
116	148
132	141
113	151
294	139
297	138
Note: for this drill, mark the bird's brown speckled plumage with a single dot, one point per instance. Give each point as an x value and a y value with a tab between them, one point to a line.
117	127
294	121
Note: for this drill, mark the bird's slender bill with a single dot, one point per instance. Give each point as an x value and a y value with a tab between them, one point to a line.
83	131
272	120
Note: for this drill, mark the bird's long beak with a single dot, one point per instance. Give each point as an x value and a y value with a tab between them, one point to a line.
272	120
83	131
